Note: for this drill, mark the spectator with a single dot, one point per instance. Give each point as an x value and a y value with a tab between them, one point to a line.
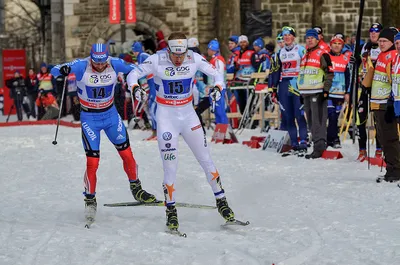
235	50
261	60
31	82
314	82
18	93
161	43
244	69
378	81
46	82
48	102
322	44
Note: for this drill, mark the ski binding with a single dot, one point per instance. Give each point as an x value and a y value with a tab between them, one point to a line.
175	231
236	222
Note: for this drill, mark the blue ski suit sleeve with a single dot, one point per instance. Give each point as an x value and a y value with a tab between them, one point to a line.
78	67
120	66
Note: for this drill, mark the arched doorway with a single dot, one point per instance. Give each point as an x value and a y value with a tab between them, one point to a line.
143	30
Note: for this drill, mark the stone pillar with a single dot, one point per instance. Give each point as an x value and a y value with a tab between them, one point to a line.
317	13
206	25
228	22
390	11
57	32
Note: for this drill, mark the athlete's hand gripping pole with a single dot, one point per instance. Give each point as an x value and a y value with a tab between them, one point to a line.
215	96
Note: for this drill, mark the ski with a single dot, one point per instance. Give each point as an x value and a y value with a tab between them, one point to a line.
159	203
176	232
293	153
236	222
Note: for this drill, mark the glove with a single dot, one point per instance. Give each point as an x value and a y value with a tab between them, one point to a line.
140	93
215	95
65	70
389	114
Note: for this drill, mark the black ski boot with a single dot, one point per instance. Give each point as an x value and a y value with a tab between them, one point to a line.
224	210
172	218
140	194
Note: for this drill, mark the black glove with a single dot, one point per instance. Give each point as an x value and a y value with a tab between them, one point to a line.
65	70
389	114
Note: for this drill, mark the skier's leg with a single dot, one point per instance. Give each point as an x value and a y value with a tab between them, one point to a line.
196	140
117	134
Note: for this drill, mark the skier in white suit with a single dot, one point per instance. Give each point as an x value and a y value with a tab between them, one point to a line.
174	72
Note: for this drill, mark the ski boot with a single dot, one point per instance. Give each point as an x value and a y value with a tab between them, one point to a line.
172	218
362	155
336	144
302	149
90	209
378	153
140	194
224	210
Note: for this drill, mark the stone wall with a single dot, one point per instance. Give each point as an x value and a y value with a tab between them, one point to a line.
332	15
87	20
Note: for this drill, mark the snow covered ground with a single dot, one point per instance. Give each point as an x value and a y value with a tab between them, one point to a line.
301	212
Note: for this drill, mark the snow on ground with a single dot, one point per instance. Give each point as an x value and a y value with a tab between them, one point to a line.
301	212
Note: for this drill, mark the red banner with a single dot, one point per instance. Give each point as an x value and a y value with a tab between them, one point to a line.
115	12
130	11
13	60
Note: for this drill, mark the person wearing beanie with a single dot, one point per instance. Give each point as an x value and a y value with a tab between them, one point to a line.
233	42
141	56
244	68
378	82
315	81
219	63
46	82
273	68
322	44
262	57
279	41
285	77
369	54
338	91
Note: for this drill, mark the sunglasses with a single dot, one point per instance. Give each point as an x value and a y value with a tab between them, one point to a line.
288	28
374	30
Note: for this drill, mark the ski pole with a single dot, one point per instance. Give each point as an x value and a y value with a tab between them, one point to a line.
60	110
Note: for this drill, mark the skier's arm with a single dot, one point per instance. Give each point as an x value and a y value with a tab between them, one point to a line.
205	67
275	73
146	68
120	66
78	67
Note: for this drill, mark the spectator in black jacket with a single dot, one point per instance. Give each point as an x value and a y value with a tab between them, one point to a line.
18	93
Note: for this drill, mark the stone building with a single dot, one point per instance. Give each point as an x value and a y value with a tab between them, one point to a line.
76	24
86	21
